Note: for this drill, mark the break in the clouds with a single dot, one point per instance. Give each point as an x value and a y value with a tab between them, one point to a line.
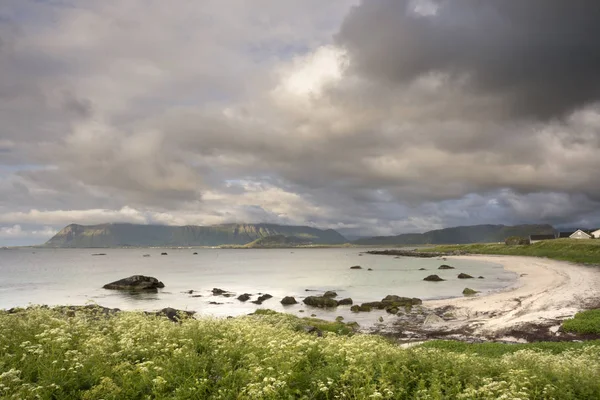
373	117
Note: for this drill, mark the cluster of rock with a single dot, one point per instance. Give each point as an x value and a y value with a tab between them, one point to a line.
391	303
327	300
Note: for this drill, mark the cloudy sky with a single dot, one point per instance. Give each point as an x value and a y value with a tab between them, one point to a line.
372	117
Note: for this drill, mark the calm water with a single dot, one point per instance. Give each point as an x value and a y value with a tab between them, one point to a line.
74	276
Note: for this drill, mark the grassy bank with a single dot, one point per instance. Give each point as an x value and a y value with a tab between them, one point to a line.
45	354
581	251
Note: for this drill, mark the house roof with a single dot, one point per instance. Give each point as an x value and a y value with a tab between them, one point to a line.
589	233
565	234
541	237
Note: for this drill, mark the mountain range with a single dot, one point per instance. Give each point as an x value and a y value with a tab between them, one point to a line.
123	235
460	235
269	235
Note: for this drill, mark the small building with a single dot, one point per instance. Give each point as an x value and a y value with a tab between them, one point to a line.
537	238
579	234
596	234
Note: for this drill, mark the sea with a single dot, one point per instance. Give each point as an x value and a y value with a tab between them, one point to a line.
32	276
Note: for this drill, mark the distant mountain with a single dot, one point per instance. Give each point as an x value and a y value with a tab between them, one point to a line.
461	235
122	235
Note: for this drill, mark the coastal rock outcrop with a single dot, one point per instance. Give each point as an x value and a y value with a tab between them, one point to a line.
444	266
320	301
330	293
356	267
288	300
136	283
433	278
464	276
345	302
393	301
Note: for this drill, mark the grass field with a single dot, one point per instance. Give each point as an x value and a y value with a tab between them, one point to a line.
580	251
46	354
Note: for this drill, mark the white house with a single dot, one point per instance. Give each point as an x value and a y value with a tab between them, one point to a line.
596	234
579	234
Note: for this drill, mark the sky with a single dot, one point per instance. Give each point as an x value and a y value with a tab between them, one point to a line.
372	117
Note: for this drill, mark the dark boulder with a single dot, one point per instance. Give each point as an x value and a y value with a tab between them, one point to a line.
136	283
356	267
218	292
345	302
320	301
421	269
99	254
195	253
369	269
214	303
444	266
312	329
464	276
433	278
174	314
469	292
163	254
330	293
480	277
288	300
244	297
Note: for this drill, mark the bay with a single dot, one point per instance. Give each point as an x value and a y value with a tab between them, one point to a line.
75	277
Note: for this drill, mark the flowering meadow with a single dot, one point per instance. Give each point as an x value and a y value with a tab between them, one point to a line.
53	354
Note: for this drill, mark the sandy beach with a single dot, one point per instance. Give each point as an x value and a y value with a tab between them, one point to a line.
546	291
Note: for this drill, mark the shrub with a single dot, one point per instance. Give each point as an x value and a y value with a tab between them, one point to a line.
516	241
586	322
47	354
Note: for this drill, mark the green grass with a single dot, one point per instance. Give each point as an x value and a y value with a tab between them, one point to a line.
585	322
495	350
580	251
45	354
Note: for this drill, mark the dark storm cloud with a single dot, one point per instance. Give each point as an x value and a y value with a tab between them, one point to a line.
541	57
424	115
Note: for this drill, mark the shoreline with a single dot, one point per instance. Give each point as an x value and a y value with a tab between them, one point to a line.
546	293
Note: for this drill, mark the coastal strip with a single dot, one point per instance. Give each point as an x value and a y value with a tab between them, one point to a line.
546	292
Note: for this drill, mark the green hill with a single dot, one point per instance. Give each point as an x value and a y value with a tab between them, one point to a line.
460	235
120	235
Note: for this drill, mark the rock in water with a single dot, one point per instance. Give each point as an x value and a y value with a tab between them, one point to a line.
464	276
345	302
320	301
469	292
244	297
433	278
262	298
330	293
136	282
288	300
163	254
356	267
444	266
